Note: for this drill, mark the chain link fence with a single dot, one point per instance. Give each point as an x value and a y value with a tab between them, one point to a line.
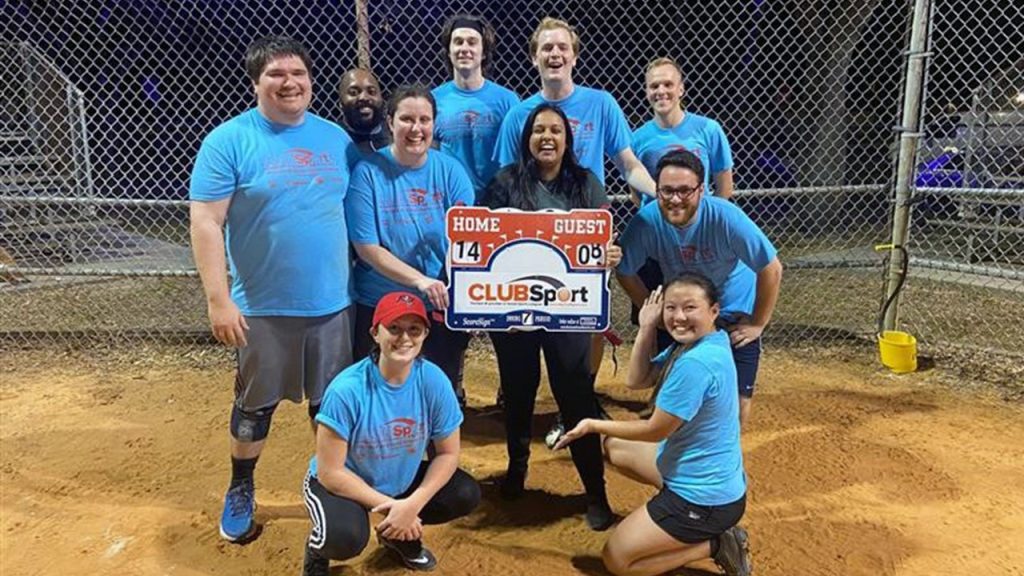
104	106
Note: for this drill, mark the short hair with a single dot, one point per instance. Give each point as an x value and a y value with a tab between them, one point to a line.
407	91
664	61
700	281
549	23
681	158
261	51
486	31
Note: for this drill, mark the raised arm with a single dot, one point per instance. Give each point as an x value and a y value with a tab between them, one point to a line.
642	373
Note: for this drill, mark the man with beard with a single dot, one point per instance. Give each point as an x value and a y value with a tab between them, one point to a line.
362	110
687	230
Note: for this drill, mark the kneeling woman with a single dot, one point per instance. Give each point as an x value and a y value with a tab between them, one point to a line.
689	447
375	422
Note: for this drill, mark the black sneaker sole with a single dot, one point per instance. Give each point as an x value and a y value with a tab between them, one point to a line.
406	561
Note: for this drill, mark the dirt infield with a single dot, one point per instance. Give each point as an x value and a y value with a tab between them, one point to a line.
120	468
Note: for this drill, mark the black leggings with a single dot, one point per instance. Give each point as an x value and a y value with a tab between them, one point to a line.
341	527
567	357
444	347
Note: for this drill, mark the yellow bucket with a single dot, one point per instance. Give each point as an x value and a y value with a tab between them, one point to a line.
898	351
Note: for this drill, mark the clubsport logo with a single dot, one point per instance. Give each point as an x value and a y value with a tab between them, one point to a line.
535	289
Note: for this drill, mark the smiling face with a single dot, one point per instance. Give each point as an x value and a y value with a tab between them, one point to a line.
412	126
555	57
284	90
361	101
466	50
679	194
547	139
664	89
688	313
401	339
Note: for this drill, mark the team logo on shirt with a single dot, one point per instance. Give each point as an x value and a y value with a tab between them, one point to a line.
420	196
299	160
395	438
467	123
690	252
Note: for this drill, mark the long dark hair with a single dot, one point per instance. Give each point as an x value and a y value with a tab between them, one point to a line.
571	179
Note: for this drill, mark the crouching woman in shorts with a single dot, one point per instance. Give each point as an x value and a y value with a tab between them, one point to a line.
690	446
375	422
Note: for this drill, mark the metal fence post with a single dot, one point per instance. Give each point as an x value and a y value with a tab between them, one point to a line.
909	136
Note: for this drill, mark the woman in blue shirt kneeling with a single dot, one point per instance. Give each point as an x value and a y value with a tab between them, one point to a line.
690	446
375	423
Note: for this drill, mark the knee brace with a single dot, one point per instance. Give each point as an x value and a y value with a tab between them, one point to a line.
251	426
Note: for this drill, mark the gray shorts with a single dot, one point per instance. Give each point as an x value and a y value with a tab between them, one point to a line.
289	357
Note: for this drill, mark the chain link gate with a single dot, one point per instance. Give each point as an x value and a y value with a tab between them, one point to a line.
104	106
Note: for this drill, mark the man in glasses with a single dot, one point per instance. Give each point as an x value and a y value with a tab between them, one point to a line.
688	230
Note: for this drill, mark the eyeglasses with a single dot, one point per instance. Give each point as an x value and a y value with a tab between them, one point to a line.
682	192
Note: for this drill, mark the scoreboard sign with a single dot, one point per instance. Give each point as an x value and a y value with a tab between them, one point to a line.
509	269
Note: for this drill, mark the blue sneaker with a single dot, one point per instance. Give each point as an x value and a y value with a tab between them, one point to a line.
239	504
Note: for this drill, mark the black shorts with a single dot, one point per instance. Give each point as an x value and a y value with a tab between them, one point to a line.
692	523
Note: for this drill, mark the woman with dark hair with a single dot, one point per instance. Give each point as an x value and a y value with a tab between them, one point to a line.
376	421
548	176
689	448
396	207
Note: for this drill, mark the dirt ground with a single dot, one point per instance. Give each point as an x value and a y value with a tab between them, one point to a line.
119	468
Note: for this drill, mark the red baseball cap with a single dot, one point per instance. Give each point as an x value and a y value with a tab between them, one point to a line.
394	305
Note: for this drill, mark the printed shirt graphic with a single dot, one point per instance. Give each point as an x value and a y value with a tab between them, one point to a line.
701	461
403	210
599	128
721	242
388	427
467	126
286	233
698	134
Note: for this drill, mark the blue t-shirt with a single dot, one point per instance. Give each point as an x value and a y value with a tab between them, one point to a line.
721	242
702	461
403	210
467	126
698	134
599	128
286	236
387	427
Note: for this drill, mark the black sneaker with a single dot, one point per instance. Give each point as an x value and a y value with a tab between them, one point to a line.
411	553
314	565
513	486
600	516
734	552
